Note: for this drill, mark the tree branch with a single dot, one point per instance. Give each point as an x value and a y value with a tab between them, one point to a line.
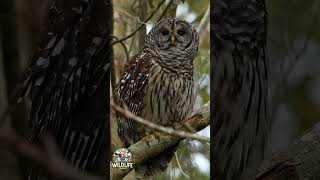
299	161
182	172
152	145
125	112
204	21
165	10
135	31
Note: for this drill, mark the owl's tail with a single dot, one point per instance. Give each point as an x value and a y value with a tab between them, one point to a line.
156	165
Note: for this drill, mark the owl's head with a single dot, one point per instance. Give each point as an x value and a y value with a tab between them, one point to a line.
173	33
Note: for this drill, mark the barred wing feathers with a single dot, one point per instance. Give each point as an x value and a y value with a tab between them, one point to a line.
68	66
240	88
132	91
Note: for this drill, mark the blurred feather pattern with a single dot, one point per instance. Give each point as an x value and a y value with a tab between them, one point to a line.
66	79
240	87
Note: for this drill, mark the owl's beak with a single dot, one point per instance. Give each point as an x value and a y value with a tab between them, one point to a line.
173	40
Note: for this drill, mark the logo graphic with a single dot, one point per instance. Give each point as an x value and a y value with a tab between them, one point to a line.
122	158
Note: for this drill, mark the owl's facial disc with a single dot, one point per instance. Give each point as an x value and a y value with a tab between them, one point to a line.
173	34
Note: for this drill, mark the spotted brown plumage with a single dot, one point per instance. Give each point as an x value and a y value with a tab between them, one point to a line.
64	81
240	88
131	91
157	85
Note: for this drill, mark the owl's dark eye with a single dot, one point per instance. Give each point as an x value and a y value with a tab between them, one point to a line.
164	32
181	32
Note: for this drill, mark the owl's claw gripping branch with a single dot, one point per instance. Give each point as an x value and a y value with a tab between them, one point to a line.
177	125
141	151
188	123
153	138
156	134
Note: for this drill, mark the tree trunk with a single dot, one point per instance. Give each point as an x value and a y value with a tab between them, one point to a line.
300	160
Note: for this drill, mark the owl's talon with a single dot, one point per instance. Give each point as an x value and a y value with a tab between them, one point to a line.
154	139
176	125
156	134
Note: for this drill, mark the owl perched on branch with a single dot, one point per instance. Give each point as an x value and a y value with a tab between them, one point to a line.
157	85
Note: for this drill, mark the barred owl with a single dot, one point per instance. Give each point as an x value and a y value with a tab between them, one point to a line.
158	85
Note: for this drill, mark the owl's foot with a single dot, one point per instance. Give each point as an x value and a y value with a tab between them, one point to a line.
156	134
177	125
153	138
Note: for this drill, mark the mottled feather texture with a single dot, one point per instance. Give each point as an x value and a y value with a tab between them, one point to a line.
158	86
131	91
240	88
63	81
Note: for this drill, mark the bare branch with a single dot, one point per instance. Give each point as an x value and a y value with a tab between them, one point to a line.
165	10
204	21
151	125
135	31
183	173
298	161
130	15
282	84
152	145
124	48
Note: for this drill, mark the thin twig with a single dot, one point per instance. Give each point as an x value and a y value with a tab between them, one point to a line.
130	15
149	146
131	45
124	47
135	31
165	10
151	125
184	174
282	84
204	20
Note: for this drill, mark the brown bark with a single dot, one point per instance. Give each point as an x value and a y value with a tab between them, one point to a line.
152	145
300	160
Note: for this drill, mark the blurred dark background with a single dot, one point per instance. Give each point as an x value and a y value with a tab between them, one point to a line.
20	22
294	59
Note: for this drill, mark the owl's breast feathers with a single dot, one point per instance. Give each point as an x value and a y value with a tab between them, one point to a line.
153	92
169	96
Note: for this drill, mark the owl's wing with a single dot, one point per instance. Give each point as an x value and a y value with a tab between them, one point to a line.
71	60
131	91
